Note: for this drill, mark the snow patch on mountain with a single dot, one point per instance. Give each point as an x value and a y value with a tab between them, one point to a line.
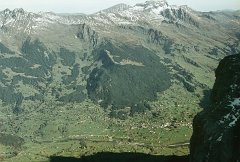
232	117
50	15
152	6
235	102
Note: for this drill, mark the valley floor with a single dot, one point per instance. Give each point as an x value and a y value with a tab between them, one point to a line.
85	129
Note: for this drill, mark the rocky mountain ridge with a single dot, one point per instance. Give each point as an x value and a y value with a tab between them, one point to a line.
149	12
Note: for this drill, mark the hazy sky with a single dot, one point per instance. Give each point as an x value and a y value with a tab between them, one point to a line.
91	6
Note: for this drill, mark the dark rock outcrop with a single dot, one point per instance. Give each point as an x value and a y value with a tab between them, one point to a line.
216	130
180	14
87	34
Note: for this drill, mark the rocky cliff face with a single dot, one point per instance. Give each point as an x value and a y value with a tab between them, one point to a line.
216	130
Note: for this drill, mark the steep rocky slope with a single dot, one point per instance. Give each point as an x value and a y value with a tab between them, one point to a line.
216	130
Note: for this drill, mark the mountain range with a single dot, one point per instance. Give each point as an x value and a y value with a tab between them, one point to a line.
64	75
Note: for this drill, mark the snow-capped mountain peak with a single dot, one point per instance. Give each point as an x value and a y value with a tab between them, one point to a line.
156	3
117	8
6	11
21	20
14	13
152	6
18	10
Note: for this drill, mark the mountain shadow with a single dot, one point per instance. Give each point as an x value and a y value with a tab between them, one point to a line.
205	101
121	157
